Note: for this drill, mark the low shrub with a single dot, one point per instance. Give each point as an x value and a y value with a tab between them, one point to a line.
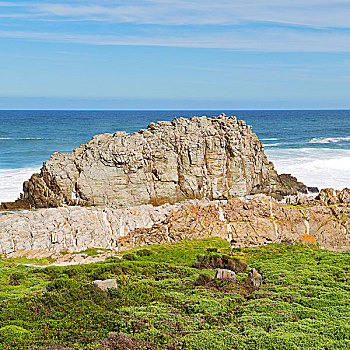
14	336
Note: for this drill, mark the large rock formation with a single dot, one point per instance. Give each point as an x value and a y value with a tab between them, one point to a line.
260	220
168	162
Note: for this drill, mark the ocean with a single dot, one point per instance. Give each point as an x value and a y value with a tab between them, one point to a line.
314	146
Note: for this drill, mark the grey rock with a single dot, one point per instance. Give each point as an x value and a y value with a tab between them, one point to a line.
106	284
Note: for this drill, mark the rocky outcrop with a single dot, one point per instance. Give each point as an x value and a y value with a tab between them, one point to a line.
75	229
329	196
216	158
260	220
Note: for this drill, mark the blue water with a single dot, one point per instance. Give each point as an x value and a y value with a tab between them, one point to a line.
312	145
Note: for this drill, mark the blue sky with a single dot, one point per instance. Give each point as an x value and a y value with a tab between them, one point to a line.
162	54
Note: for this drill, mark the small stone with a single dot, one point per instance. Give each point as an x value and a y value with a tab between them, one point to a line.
224	274
106	284
254	278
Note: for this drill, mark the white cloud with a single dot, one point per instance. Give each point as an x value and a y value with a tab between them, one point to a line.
269	25
316	13
285	41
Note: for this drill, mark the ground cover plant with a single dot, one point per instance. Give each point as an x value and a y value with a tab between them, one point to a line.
164	302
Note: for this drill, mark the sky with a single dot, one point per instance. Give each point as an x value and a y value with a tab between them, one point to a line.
162	54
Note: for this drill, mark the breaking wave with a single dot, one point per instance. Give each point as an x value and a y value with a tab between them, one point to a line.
11	182
321	167
329	139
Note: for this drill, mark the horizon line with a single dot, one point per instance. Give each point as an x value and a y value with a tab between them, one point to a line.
174	109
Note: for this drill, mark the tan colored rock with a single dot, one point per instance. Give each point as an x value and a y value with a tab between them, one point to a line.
216	158
344	196
329	196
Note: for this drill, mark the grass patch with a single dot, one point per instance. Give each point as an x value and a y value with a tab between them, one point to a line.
93	251
163	302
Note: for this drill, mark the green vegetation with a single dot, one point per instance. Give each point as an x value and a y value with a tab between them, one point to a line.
23	260
92	251
299	206
162	302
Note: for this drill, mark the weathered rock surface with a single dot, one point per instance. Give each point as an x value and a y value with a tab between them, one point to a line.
216	158
329	196
75	229
260	220
225	274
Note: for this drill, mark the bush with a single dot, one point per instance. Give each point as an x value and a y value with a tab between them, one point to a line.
63	283
10	335
202	280
130	256
144	252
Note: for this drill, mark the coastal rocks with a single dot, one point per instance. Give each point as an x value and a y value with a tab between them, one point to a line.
106	284
75	229
292	182
251	222
216	158
307	239
329	196
224	274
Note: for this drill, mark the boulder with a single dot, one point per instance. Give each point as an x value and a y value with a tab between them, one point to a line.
293	184
225	274
106	284
216	158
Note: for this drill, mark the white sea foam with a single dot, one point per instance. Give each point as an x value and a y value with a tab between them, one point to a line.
329	139
321	167
271	139
11	182
272	144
